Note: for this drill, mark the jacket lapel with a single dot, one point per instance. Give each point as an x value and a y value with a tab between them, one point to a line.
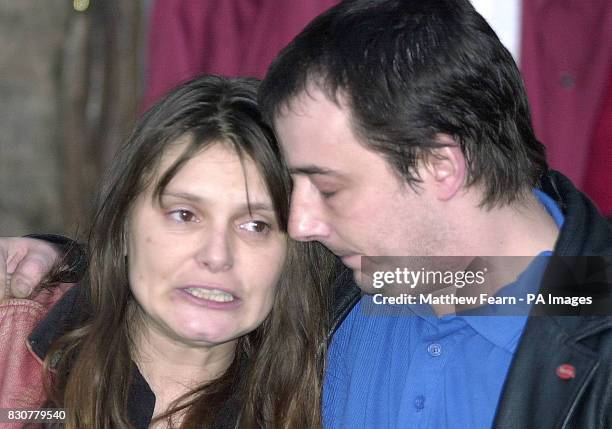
534	396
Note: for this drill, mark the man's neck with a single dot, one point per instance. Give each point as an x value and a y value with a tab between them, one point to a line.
521	229
524	229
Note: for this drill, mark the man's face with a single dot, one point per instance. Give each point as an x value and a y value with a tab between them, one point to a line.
345	195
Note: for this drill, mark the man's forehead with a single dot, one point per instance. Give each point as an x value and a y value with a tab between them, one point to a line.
315	134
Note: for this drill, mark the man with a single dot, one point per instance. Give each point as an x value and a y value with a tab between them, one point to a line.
407	131
406	127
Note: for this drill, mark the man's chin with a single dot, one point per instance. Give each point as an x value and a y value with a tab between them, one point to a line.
363	281
352	261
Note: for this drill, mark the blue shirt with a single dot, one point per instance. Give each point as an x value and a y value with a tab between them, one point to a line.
389	371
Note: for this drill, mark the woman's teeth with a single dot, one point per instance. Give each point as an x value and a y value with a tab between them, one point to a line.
210	294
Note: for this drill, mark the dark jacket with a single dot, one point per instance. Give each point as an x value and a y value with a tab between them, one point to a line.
533	395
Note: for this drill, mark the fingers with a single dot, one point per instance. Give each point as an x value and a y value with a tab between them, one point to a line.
28	274
24	262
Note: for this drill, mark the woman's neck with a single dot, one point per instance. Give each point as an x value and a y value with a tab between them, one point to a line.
173	368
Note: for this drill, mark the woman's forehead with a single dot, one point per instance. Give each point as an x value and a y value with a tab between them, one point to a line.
218	168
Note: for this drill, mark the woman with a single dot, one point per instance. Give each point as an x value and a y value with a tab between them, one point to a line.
197	310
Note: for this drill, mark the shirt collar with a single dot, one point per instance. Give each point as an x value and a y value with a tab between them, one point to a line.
505	331
551	207
503	325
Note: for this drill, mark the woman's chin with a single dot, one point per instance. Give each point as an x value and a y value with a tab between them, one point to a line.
209	332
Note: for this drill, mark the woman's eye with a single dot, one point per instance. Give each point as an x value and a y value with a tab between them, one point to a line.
183	216
256	226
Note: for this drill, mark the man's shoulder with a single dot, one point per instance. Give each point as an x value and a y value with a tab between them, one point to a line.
21	376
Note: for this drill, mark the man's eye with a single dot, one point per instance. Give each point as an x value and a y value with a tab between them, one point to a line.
183	216
327	194
255	226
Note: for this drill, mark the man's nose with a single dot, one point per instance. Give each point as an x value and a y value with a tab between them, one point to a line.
216	251
306	218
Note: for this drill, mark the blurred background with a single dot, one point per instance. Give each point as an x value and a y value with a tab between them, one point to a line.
75	75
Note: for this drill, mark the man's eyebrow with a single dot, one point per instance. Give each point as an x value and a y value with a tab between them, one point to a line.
310	170
246	206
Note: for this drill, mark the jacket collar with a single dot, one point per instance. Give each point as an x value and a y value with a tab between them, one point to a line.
58	320
585	232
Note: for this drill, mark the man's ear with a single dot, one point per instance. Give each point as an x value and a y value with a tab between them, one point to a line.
445	168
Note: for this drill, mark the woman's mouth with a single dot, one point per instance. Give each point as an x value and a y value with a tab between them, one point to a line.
215	295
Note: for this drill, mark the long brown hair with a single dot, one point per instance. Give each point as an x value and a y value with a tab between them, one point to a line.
274	380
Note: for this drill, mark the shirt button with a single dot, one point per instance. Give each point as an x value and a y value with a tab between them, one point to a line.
434	349
419	402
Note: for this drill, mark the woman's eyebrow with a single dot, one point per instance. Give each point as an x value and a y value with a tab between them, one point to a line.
246	206
183	196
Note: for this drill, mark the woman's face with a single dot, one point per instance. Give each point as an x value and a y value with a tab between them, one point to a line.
202	267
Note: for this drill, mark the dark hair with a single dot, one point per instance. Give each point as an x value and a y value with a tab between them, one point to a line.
412	69
275	377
